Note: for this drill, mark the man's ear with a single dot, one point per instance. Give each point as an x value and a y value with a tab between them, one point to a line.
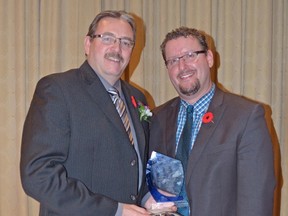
87	43
210	58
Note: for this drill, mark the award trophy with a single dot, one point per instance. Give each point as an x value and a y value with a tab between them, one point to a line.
164	176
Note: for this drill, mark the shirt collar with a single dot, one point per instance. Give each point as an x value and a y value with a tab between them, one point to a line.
202	104
107	85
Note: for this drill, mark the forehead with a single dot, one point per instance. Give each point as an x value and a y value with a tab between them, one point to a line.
117	26
181	45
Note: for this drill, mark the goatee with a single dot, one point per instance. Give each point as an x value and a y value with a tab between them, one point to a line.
193	89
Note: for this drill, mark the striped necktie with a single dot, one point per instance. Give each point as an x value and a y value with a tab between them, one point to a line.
121	109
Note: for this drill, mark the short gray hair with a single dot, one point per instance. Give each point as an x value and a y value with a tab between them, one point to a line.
113	14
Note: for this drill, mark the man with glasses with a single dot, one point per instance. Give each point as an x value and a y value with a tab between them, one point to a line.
227	157
84	146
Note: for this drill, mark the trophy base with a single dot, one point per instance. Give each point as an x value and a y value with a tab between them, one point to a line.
165	214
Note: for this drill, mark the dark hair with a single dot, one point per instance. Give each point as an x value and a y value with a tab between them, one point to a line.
184	32
113	14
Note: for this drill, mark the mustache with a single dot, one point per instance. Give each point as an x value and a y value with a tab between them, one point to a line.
114	55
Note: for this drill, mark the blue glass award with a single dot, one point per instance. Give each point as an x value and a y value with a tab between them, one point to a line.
165	174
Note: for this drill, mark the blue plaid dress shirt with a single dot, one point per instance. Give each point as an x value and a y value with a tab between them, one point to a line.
200	108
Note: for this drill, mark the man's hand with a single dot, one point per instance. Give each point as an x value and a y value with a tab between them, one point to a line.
152	206
134	210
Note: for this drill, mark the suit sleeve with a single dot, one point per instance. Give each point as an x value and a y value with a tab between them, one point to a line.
255	171
45	147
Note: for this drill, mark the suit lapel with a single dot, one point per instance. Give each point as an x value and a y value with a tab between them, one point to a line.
206	132
171	127
100	96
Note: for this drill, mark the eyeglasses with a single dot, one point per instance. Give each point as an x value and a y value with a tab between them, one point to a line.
125	43
187	57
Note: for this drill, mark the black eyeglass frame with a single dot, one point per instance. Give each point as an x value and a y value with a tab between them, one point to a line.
186	54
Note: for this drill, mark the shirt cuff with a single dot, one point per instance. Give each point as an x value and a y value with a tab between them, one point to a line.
145	198
119	209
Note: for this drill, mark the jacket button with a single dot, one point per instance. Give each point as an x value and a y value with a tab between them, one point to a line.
132	197
133	163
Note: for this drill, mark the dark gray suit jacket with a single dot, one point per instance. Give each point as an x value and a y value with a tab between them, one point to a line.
76	155
230	168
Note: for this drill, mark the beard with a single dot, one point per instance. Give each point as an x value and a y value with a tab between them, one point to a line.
191	90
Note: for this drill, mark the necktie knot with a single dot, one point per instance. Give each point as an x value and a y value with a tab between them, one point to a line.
189	110
113	92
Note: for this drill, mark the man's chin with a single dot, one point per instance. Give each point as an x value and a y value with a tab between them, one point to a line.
188	91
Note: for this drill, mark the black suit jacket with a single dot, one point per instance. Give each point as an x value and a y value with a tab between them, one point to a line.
76	155
230	168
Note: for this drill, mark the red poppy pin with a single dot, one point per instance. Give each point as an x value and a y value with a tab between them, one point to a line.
134	101
208	117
